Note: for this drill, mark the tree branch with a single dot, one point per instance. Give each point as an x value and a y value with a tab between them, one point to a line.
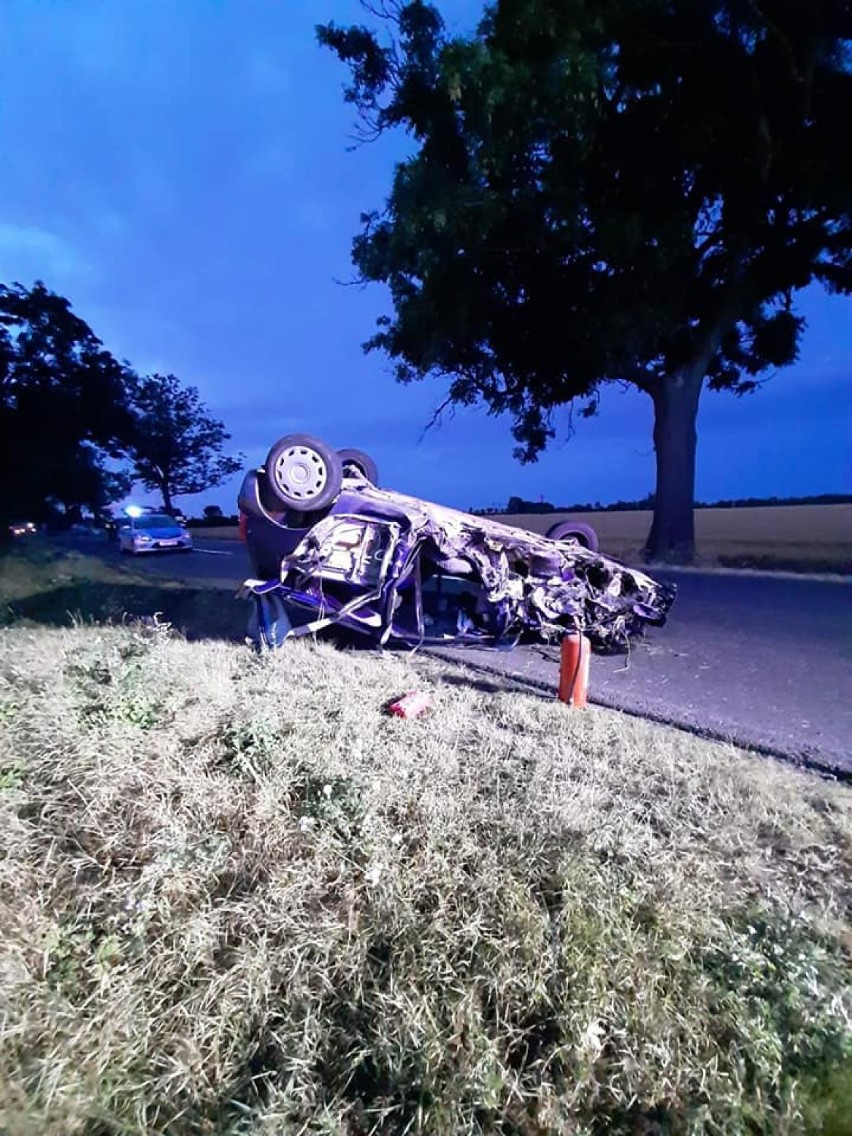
387	10
436	416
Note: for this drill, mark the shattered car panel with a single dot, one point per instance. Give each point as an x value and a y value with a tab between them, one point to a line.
399	568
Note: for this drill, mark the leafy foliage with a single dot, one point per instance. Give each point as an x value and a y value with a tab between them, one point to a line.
68	409
605	190
63	406
177	444
85	481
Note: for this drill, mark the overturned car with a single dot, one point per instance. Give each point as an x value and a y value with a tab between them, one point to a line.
327	542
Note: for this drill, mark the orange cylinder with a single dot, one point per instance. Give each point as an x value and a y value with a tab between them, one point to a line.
574	670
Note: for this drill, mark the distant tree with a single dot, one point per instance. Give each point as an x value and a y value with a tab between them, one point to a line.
86	483
177	444
606	190
63	406
212	512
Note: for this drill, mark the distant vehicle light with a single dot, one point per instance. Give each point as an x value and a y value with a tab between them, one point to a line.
133	511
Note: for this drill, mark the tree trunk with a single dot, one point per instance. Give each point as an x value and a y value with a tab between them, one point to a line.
167	497
672	536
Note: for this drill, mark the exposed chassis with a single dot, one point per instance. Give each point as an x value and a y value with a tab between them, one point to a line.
369	564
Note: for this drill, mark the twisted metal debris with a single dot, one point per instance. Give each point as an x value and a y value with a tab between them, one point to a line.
382	545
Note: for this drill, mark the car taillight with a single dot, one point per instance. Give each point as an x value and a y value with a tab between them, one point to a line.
242	526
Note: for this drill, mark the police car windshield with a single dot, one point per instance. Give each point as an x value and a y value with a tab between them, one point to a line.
155	521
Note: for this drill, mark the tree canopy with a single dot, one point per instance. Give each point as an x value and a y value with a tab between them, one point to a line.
63	406
72	416
606	190
177	444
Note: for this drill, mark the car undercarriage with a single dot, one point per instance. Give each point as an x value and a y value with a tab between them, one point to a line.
398	568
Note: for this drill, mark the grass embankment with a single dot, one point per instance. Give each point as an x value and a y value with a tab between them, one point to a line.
43	583
238	898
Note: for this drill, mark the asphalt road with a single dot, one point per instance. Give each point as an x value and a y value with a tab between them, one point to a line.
213	561
762	661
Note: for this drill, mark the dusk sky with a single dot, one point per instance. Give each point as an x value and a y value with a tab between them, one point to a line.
179	169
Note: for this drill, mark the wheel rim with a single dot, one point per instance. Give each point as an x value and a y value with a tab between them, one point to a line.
300	473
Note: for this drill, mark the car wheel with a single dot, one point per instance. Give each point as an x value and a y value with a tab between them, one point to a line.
362	465
303	473
584	535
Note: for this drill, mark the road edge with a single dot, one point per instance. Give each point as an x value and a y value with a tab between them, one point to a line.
825	768
749	573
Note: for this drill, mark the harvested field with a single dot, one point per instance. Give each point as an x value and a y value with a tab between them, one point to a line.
815	538
810	537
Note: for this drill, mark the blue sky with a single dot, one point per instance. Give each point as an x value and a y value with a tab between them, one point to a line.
181	171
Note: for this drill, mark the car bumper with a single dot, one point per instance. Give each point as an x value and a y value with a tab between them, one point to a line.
163	546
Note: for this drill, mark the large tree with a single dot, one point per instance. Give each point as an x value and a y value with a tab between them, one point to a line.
89	483
606	190
63	407
177	444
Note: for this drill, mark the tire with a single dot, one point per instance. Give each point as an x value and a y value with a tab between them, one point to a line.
584	535
303	473
363	464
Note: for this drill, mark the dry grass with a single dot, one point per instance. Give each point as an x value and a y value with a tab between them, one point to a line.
236	897
33	565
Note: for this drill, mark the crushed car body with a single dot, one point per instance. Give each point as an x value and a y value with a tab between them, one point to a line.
326	541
